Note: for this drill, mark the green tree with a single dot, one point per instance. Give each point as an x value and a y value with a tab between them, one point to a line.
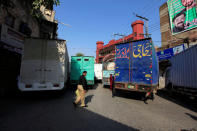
79	54
36	4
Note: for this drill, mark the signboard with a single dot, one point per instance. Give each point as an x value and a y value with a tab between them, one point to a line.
182	15
106	73
165	54
178	49
168	53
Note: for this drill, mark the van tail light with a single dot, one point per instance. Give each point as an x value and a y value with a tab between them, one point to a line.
28	86
56	85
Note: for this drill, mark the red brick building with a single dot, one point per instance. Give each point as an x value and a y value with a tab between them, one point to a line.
105	53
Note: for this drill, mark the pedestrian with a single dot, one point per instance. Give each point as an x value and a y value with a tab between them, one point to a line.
82	89
149	95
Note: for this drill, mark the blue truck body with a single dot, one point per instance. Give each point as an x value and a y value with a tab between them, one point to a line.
136	66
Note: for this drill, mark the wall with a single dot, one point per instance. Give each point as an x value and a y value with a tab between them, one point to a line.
21	13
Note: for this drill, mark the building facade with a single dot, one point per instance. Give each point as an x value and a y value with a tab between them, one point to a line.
167	39
16	23
106	53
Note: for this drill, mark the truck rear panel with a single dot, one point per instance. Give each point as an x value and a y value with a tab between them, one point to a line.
183	70
106	76
44	65
98	68
108	68
136	66
80	64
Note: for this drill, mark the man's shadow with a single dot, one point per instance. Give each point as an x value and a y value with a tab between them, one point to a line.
88	99
192	116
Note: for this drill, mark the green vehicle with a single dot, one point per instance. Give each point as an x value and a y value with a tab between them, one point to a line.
80	64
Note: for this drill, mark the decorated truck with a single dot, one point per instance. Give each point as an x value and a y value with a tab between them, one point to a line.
80	64
108	69
136	66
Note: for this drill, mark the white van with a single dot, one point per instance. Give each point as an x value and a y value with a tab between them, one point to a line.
45	65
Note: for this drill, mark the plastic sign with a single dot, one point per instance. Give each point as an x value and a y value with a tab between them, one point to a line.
182	15
168	53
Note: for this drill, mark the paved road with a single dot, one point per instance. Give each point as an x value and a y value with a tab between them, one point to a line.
47	112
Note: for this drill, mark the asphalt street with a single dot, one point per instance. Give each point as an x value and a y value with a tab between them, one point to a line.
54	112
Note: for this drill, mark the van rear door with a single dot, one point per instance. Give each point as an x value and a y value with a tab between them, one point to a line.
54	70
32	62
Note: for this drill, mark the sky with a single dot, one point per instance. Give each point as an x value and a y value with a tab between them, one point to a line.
97	20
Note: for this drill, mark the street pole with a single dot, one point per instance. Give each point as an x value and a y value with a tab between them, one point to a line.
119	35
146	25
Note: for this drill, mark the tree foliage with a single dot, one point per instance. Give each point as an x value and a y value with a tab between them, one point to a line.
36	4
79	54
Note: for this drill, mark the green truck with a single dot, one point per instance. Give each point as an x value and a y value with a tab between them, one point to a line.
80	64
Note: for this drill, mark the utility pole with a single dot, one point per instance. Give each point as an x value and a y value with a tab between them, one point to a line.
146	27
62	23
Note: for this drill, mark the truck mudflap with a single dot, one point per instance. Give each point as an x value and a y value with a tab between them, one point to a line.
135	87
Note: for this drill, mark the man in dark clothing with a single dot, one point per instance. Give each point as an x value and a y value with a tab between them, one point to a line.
82	81
82	89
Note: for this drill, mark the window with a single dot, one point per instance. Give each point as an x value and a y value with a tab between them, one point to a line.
86	59
78	59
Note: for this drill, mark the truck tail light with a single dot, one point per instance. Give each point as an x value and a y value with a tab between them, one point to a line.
56	85
28	86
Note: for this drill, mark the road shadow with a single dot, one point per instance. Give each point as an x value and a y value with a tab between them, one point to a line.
192	116
54	115
179	99
188	129
88	99
94	87
130	95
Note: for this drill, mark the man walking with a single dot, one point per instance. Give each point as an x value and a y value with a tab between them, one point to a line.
82	89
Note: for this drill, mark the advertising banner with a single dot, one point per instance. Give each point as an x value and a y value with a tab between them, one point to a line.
182	15
168	53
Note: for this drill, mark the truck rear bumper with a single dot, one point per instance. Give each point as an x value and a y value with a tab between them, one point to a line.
134	87
40	87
